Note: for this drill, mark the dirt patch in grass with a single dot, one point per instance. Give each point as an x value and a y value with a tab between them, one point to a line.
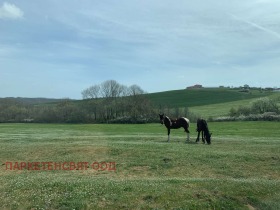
250	207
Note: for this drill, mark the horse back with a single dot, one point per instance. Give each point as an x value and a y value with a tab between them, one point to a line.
184	122
201	125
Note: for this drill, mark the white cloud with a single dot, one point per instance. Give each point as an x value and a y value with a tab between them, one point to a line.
10	11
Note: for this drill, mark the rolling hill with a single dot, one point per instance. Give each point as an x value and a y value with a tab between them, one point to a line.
203	96
208	102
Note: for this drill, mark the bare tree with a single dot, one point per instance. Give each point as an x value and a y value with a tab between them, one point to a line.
110	89
124	90
118	101
91	92
136	90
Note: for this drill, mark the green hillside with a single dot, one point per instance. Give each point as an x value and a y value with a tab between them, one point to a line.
209	102
221	109
201	97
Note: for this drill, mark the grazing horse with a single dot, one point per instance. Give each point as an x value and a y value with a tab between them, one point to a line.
203	127
175	124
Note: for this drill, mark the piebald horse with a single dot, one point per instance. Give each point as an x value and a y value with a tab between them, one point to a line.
175	124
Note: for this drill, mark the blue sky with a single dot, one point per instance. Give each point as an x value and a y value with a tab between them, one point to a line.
56	49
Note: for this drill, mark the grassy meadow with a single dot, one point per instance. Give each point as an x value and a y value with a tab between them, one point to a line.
239	170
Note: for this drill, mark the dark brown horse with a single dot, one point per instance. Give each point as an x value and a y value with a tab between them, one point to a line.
203	127
175	124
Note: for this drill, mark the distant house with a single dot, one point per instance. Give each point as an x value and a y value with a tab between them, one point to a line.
245	89
195	87
269	89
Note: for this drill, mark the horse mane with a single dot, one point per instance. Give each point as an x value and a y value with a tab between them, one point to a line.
206	131
170	121
206	126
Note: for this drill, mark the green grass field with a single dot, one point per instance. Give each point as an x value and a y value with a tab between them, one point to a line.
240	170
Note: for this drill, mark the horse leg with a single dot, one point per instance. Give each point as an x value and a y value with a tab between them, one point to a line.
188	134
203	138
198	134
168	133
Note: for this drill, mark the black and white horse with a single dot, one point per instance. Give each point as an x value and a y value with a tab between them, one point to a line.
203	127
175	124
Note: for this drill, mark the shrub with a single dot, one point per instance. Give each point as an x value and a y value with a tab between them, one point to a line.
260	109
268	116
263	105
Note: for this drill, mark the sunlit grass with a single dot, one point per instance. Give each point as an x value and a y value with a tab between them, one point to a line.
239	170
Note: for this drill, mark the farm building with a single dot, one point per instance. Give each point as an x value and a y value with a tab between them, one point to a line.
197	86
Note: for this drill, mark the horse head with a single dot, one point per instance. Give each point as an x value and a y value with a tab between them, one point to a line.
161	117
208	137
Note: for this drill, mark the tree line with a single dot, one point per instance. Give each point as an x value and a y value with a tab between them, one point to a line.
113	102
108	102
